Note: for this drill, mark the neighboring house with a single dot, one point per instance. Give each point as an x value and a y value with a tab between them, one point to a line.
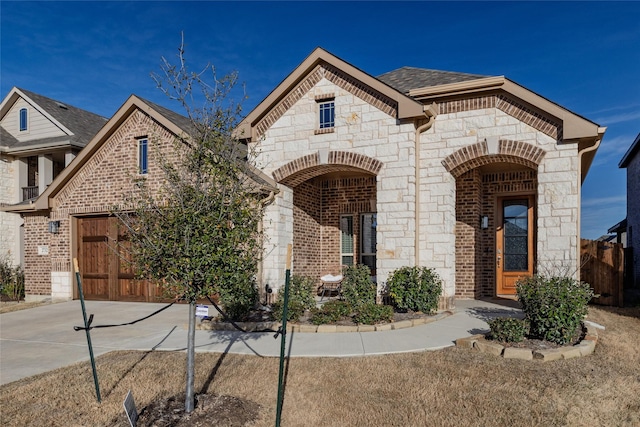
620	233
476	177
72	217
38	138
631	162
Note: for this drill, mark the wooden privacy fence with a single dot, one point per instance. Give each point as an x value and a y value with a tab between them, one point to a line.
602	266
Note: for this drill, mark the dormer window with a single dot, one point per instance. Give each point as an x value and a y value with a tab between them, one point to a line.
143	156
24	122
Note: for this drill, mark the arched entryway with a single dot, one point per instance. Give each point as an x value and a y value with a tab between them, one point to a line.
334	211
496	194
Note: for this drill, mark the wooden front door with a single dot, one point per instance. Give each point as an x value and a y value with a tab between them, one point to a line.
514	242
103	259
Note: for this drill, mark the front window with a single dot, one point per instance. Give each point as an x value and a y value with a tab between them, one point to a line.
346	240
23	120
368	225
143	156
327	114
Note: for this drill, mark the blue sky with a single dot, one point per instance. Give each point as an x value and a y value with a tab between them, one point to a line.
584	56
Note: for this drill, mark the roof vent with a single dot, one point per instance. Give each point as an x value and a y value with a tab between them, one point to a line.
61	105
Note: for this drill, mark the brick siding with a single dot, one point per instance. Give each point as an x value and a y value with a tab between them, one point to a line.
476	195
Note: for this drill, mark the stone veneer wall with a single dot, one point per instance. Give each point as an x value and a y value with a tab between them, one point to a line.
557	186
9	222
360	128
364	129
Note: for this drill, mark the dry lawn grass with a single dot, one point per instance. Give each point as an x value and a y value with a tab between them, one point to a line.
451	387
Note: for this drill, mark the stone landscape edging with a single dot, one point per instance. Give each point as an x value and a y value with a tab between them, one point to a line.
212	325
584	348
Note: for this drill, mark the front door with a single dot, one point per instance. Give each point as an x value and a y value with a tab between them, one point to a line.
514	242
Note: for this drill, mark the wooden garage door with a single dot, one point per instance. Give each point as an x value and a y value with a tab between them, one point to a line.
102	256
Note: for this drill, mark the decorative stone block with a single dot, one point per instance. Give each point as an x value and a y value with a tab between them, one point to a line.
468	342
327	328
366	328
517	353
308	328
383	327
488	347
402	324
570	352
548	355
347	328
586	347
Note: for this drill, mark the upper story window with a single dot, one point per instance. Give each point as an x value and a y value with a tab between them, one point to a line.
143	156
327	113
24	122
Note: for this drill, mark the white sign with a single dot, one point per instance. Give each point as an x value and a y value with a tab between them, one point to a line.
202	310
130	409
43	250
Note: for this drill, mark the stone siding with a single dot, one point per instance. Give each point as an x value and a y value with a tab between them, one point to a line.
9	222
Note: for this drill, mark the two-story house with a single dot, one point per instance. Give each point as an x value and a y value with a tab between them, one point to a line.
39	137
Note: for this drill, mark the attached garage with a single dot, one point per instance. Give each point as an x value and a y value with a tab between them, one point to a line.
103	258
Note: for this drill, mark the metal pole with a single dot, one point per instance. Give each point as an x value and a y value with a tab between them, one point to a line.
86	328
189	403
283	339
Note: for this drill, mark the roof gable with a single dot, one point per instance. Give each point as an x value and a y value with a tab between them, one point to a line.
75	126
631	153
317	65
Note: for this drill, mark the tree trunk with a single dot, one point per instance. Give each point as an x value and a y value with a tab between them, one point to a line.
189	402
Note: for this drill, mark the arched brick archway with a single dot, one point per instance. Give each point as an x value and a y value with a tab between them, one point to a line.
310	166
508	151
334	198
490	177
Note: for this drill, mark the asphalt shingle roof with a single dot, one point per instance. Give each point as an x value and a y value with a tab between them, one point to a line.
82	123
406	78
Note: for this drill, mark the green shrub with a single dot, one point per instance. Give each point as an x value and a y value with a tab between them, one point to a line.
330	312
11	280
508	329
357	287
300	299
554	306
238	299
372	313
415	289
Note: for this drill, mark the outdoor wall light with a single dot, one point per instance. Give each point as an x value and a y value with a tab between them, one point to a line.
54	227
484	222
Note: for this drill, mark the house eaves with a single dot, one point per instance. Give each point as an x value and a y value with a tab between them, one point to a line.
631	153
407	107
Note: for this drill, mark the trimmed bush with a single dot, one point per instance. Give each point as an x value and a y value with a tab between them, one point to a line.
330	312
507	329
415	289
372	313
554	306
300	298
357	287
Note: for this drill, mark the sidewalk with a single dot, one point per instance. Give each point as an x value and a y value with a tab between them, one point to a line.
40	339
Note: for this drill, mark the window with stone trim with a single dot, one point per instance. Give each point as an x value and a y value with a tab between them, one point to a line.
143	156
327	111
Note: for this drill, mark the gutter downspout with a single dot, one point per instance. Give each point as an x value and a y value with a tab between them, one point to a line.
601	131
430	112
